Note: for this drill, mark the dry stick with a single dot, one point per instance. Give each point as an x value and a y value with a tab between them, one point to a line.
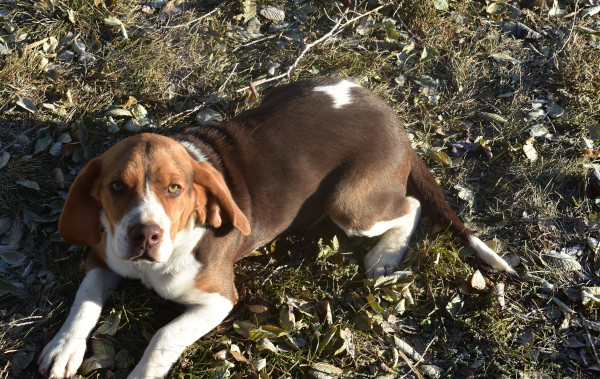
572	27
229	77
589	337
181	114
196	19
363	15
417	363
325	37
253	42
409	363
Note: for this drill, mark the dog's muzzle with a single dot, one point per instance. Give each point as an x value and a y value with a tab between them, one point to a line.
144	241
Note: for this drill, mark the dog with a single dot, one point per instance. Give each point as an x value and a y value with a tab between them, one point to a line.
178	212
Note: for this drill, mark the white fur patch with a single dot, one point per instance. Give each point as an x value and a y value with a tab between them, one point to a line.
63	355
193	150
171	340
340	92
383	226
384	258
489	256
172	279
148	211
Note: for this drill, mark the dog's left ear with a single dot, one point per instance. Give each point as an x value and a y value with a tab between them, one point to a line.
217	204
79	222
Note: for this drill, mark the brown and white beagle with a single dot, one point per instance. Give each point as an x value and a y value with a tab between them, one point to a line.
178	212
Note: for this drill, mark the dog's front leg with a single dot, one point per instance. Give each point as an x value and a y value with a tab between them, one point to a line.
171	340
63	355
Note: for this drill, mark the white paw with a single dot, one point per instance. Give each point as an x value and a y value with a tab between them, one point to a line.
62	356
143	371
379	264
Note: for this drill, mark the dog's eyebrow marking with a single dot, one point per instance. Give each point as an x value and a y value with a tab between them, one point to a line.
340	92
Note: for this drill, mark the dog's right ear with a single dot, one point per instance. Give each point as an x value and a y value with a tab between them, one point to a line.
79	222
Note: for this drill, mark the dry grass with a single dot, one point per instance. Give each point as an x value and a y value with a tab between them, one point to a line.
174	64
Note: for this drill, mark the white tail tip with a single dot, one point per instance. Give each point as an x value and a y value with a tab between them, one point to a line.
489	256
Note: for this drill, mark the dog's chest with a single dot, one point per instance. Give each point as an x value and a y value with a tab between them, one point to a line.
173	280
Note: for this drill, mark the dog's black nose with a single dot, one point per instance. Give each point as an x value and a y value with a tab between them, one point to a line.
144	240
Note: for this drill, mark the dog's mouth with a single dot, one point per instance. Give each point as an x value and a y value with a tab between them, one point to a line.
144	254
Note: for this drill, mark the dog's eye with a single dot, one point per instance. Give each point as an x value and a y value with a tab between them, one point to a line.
174	189
117	186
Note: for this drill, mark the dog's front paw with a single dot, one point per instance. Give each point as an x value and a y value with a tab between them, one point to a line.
144	371
62	356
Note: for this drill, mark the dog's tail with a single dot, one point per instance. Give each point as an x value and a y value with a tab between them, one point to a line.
422	185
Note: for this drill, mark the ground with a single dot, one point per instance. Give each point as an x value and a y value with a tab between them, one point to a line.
501	99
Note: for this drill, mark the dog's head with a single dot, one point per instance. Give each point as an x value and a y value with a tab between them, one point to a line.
144	191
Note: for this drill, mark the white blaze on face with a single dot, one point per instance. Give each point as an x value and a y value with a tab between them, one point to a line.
149	211
340	92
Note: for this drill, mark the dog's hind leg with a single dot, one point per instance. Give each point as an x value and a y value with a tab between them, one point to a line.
390	214
387	254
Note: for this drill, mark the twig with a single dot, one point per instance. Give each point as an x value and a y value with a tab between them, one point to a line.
181	114
571	31
299	58
363	15
417	363
229	77
196	19
589	337
253	42
333	32
409	363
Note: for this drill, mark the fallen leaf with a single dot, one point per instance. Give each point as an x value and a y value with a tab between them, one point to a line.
260	333
327	368
94	363
438	156
42	143
556	10
594	131
590	296
27	104
478	281
563	261
287	319
255	308
500	293
428	54
529	150
465	193
455	305
407	349
492	117
591	11
239	357
496	8
502	58
585	153
11	255
29	184
259	363
272	13
243	328
111	325
348	338
366	26
4	158
521	31
248	9
441	5
118	112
